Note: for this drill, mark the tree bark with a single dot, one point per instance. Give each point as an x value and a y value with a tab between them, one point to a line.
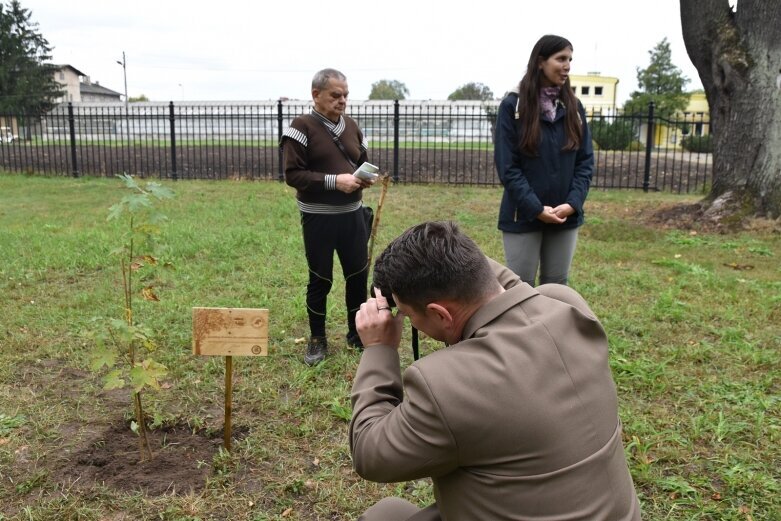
737	54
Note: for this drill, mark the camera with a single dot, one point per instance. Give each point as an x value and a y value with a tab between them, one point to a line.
379	281
386	292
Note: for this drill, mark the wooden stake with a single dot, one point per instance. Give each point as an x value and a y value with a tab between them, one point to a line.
376	223
228	402
230	332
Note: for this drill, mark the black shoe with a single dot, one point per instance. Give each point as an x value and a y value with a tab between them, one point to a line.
354	341
316	350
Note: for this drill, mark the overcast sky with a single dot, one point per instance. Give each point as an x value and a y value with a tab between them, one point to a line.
258	50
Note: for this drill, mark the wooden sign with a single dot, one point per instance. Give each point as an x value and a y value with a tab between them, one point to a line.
230	332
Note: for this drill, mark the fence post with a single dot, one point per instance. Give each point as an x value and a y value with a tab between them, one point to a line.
72	129
172	121
649	142
280	169
395	140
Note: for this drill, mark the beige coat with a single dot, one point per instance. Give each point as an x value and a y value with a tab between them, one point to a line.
518	421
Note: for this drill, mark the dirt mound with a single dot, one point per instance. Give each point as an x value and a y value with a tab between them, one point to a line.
181	463
722	216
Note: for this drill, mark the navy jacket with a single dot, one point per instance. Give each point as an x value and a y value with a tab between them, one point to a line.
553	177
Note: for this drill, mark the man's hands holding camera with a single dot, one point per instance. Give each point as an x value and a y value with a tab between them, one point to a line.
376	323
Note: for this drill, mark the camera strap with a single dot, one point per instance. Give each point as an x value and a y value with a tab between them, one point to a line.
336	141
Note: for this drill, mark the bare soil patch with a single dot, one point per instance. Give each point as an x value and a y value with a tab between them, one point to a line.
705	217
106	451
181	462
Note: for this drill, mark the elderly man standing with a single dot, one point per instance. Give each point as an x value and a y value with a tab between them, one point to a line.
321	150
516	419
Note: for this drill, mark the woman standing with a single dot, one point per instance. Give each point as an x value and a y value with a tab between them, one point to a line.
544	159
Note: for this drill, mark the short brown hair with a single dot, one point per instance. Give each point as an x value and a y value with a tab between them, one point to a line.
433	261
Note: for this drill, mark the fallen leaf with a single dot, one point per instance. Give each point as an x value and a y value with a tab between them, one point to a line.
739	267
287	512
299	340
149	294
316	462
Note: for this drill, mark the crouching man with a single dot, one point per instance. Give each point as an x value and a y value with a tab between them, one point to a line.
515	419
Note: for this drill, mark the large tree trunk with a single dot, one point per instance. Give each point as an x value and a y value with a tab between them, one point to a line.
738	57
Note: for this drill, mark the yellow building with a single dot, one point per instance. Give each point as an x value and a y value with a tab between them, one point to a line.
693	121
597	93
698	112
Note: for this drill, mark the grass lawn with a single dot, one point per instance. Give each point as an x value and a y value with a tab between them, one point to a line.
693	320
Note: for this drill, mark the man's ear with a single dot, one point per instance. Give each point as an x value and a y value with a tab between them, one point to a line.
441	313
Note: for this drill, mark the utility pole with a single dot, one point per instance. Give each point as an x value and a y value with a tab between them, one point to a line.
123	63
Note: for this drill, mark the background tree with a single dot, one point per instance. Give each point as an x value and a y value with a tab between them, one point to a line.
142	97
471	91
27	84
388	89
737	54
661	82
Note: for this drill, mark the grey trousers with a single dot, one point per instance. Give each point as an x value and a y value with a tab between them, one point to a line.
397	509
551	250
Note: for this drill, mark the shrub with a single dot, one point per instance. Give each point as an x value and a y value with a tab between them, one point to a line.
615	135
698	144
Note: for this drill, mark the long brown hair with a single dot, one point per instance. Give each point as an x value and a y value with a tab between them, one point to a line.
529	95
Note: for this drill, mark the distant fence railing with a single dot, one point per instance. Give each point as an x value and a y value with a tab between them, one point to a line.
413	141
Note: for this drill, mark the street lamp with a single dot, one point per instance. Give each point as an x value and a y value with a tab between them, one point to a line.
182	89
123	63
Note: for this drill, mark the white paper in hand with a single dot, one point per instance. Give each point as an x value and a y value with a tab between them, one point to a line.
367	172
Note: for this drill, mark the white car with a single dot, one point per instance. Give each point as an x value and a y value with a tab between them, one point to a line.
6	136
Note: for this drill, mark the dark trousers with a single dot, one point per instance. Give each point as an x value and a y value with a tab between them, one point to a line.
345	234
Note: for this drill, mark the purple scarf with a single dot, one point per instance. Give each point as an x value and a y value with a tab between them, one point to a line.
548	98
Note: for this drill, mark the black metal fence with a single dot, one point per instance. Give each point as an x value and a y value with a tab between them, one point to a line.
415	142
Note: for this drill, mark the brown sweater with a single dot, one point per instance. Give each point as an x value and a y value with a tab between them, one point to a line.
312	159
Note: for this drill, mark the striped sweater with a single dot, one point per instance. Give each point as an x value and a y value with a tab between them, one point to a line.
312	161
